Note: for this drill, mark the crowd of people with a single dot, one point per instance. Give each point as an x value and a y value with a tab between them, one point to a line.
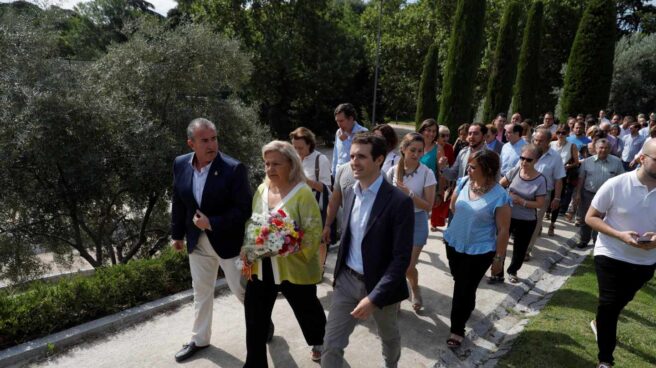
495	182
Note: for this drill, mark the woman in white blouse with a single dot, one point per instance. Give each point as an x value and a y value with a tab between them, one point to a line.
316	167
418	181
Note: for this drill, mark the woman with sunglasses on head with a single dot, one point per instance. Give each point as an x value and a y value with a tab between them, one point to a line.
477	235
416	180
528	189
570	156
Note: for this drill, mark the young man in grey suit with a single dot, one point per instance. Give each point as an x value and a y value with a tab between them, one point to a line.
211	202
373	256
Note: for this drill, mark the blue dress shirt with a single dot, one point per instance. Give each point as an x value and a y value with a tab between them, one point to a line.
364	201
342	149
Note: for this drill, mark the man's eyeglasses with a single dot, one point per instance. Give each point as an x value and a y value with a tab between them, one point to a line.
527	159
653	158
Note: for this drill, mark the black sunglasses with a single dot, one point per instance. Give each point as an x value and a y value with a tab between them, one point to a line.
560	132
525	159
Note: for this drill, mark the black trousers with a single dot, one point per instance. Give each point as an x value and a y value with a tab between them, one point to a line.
618	283
521	231
258	305
585	232
467	271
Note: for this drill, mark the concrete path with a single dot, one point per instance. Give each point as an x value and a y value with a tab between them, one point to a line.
154	342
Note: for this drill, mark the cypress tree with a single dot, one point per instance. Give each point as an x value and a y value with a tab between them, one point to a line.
504	64
462	63
527	83
427	97
590	66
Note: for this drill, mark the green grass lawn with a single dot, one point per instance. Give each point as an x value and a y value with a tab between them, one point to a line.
560	336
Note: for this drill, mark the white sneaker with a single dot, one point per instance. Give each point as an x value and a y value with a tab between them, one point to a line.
593	326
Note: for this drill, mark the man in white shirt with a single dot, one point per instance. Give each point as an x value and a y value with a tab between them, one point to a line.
624	213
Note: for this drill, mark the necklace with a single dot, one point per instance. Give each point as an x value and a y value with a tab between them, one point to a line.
480	190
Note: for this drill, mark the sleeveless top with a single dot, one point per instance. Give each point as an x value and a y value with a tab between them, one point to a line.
430	160
565	151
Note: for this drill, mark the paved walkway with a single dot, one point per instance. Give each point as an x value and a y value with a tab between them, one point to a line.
154	342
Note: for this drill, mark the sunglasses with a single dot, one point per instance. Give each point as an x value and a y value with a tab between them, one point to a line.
445	135
560	132
525	159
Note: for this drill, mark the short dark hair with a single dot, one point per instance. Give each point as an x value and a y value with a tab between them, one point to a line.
564	127
502	115
480	125
347	109
516	128
304	134
378	144
489	163
389	134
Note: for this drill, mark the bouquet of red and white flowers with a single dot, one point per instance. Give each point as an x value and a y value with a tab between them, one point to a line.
273	234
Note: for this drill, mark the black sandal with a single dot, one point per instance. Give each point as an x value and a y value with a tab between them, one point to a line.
453	343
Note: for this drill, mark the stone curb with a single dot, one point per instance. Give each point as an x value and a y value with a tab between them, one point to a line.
41	347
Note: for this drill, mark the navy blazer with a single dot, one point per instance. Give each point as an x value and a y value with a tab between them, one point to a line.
226	202
386	245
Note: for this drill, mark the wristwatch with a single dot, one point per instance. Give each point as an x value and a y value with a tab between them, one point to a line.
411	194
497	258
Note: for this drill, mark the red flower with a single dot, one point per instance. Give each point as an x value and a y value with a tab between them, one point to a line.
282	213
277	222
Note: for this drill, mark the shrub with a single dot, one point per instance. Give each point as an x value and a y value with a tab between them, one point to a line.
590	65
634	76
527	83
464	57
427	98
46	308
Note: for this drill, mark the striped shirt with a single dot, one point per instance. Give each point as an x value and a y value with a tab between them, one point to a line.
595	171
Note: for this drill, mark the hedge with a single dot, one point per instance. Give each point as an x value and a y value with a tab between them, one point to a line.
45	308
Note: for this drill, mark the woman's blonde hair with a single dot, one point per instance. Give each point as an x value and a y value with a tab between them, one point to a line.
296	174
407	140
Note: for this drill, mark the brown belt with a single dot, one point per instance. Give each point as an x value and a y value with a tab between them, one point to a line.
353	272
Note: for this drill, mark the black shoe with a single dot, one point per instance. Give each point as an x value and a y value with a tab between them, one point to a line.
581	245
272	328
187	351
495	280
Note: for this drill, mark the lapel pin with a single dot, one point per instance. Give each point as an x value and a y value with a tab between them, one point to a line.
216	173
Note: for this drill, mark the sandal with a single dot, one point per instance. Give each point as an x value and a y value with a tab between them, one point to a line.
513	278
551	230
495	280
453	343
417	301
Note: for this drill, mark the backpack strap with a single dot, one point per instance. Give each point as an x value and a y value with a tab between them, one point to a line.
316	168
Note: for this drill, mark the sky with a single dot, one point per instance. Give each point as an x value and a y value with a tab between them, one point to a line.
161	6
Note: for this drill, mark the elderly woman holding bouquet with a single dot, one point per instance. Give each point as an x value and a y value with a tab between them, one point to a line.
281	253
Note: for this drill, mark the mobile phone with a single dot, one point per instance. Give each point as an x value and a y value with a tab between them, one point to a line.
644	239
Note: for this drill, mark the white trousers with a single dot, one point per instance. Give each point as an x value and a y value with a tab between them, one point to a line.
204	264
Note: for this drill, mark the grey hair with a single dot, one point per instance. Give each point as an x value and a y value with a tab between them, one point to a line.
443	129
600	141
199	123
546	132
537	151
296	174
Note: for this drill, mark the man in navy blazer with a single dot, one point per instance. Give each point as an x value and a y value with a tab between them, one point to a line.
211	203
373	257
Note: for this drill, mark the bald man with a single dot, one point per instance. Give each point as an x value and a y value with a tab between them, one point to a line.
623	211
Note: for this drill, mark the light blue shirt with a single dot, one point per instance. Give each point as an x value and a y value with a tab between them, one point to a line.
364	201
632	146
199	179
510	155
342	149
473	229
551	166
